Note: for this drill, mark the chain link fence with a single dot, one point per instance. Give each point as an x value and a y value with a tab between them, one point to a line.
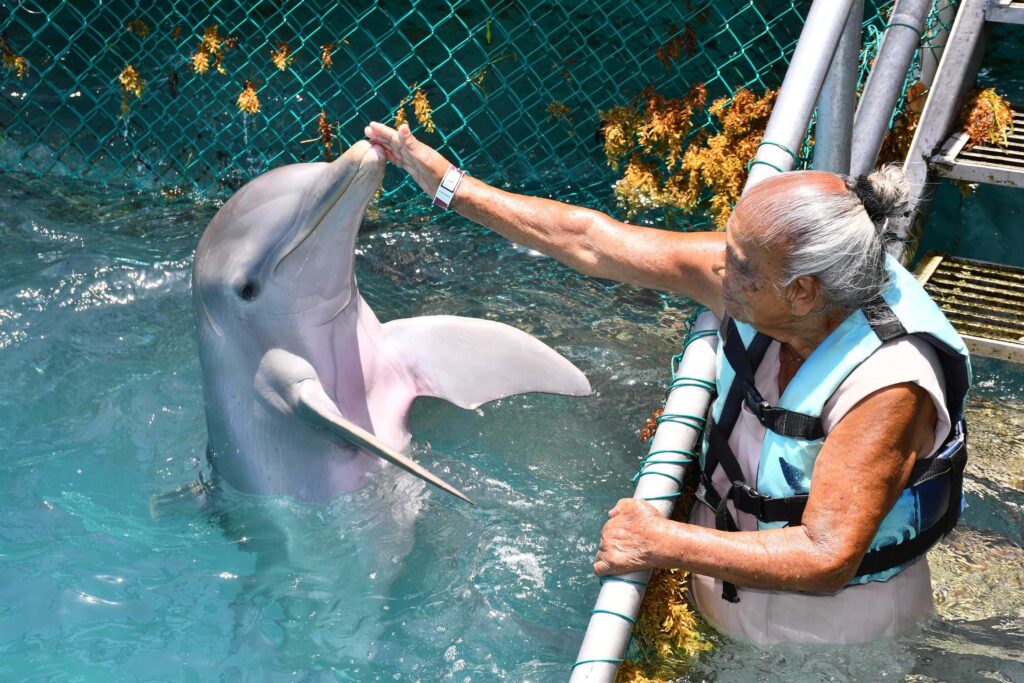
164	95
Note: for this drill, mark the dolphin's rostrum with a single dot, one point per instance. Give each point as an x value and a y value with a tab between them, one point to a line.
306	391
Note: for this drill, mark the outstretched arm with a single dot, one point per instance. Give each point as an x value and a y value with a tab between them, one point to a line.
588	241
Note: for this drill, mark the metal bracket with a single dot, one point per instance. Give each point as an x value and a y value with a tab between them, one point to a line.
951	148
927	265
1005	11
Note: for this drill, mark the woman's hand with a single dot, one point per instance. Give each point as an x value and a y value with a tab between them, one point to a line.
423	163
632	539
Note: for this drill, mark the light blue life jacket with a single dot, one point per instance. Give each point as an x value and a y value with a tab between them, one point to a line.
930	505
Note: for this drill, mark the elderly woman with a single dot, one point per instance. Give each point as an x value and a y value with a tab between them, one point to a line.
834	450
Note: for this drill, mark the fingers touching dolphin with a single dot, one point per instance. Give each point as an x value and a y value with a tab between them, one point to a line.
306	391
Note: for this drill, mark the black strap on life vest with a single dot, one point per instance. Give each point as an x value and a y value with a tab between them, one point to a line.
949	462
781	421
883	320
717	432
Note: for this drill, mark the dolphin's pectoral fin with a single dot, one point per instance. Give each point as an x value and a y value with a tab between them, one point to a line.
289	383
470	362
315	407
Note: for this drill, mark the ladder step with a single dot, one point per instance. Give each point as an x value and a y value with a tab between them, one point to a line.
984	302
1003	11
985	163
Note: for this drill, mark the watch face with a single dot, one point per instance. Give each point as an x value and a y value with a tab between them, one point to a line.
450	181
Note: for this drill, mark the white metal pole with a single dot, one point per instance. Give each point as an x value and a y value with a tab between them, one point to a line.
885	82
618	602
825	24
931	56
833	132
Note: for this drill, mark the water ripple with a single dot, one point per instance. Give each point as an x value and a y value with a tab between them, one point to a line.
111	564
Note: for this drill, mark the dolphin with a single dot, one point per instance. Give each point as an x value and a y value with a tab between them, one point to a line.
306	391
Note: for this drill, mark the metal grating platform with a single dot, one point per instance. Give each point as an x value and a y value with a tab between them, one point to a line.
984	302
983	164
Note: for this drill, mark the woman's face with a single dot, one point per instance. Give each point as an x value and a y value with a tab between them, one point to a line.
751	275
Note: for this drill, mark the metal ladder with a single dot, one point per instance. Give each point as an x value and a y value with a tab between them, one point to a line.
984	301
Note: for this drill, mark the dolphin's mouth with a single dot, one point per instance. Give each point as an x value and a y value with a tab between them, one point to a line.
338	195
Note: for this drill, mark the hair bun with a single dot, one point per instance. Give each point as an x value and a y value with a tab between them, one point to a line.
884	193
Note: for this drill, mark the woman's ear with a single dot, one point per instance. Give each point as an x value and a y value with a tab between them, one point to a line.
805	296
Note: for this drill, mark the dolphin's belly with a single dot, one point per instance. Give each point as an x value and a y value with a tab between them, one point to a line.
259	443
288	457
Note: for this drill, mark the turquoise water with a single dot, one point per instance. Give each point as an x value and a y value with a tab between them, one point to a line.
101	411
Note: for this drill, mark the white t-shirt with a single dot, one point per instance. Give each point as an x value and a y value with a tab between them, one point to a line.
856	613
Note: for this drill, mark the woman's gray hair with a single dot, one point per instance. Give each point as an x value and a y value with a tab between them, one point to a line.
836	232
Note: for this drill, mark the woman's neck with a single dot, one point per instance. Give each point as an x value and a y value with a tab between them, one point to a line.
807	333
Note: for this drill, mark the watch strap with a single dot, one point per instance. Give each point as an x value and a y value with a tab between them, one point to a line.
447	187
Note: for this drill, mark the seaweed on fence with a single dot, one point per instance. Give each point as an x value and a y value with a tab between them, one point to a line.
654	129
281	56
11	60
421	107
248	101
325	55
666	172
212	47
559	111
478	79
137	27
685	41
718	164
131	86
325	136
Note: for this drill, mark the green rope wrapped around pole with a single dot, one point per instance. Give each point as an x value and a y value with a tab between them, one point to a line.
677	438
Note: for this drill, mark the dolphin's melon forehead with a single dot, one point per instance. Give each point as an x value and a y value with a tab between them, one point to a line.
294	183
265	206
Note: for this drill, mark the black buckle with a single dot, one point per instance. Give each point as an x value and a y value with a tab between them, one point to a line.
755	401
747	499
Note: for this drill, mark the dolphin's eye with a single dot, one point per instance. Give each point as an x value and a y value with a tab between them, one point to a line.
248	291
